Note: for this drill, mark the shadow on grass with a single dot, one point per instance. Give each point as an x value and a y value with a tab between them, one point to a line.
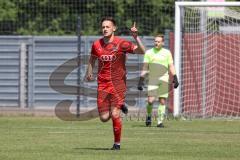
139	125
94	149
144	126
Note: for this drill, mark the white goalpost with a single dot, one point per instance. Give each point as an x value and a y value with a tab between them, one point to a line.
207	59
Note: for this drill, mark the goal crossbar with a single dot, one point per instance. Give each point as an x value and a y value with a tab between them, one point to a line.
207	4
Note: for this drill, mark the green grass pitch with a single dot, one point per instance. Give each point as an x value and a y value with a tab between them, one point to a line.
35	138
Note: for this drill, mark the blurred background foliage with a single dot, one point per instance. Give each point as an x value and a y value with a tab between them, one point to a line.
60	17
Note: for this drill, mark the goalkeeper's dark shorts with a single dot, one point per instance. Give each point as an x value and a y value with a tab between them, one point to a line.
110	96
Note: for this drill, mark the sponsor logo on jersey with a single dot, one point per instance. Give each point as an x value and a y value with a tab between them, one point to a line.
108	58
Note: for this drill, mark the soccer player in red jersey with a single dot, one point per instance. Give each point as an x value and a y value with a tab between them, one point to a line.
110	51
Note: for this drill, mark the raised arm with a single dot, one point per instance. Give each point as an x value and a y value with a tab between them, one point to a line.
139	49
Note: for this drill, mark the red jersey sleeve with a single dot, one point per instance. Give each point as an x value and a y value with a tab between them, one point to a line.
126	46
93	50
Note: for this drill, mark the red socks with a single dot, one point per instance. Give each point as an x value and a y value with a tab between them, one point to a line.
117	128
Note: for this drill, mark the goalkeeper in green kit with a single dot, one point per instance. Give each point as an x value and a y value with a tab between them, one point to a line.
158	62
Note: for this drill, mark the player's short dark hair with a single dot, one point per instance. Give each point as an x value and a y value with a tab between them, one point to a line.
109	19
160	35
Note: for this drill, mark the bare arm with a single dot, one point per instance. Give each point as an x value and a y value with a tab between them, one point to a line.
173	72
139	49
91	64
141	79
172	69
144	70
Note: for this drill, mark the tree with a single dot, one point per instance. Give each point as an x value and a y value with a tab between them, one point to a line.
59	17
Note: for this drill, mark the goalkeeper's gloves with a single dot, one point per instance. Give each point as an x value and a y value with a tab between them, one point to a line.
140	84
175	81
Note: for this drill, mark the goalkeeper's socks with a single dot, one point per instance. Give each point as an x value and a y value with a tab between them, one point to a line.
149	109
161	112
159	121
117	128
160	125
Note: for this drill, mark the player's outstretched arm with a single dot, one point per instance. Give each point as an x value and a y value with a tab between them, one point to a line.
139	49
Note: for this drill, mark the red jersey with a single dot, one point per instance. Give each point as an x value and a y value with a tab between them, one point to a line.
111	58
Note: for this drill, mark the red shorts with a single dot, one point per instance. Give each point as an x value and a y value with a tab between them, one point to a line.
110	94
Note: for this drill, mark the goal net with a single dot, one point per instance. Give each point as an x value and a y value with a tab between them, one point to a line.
207	54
